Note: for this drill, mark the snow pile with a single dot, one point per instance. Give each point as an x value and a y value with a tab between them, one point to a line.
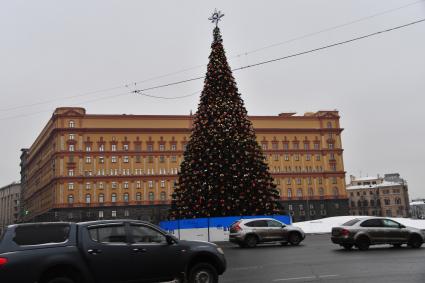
325	225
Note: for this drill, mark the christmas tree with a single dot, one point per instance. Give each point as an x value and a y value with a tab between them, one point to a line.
224	171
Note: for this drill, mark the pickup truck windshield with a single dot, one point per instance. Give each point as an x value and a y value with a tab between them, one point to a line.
38	234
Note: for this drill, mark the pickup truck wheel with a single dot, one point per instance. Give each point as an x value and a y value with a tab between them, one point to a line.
203	273
294	239
61	280
415	242
251	241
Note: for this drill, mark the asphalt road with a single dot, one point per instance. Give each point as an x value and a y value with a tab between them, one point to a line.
318	260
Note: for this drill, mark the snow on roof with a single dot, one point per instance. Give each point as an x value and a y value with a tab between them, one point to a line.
367	178
417	203
383	184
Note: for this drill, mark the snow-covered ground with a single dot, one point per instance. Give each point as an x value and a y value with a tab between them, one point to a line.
325	225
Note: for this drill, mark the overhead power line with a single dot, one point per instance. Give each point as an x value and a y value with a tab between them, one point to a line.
203	65
288	56
141	91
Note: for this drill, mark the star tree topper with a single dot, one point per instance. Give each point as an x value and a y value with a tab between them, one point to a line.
216	17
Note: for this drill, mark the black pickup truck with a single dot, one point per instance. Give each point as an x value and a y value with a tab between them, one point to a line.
104	251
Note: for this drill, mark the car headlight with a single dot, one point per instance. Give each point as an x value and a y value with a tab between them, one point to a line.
220	250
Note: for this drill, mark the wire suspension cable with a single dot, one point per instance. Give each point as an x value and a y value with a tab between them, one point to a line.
203	65
289	56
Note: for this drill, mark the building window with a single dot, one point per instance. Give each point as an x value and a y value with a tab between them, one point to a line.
330	145
138	185
150	159
308	157
88	159
316	146
329	125
114	185
88	148
310	192
101	159
88	198
125	197
387	201
295	145
275	146
151	196
276	157
70	199
150	184
150	147
114	213
184	146
162	196
289	193
162	184
100	213
264	146
125	147
288	181
125	185
101	198
71	124
298	181
70	186
126	213
161	147
335	192
88	185
70	172
285	146
306	146
286	157
138	159
101	147
309	181
317	157
71	137
320	181
334	181
321	192
71	147
113	147
162	159
125	159
113	159
297	157
300	193
114	197
138	196
173	158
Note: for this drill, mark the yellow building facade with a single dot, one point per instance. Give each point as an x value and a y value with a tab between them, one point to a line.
88	166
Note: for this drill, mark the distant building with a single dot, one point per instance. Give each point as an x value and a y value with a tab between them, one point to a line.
9	205
417	208
378	196
89	166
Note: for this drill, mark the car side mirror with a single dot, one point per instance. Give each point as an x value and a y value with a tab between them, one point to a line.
402	226
283	225
170	239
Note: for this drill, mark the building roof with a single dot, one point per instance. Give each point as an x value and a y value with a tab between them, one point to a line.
383	184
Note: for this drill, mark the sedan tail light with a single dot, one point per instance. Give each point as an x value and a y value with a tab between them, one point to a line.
345	232
3	261
236	226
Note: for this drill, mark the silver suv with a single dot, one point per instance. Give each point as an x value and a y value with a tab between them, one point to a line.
250	232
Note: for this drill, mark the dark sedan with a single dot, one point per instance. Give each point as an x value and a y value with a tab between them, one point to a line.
363	232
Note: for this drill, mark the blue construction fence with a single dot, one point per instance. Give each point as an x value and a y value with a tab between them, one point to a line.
222	223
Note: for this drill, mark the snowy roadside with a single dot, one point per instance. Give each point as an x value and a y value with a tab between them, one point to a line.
325	225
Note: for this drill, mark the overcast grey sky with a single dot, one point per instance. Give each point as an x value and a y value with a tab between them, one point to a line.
50	50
